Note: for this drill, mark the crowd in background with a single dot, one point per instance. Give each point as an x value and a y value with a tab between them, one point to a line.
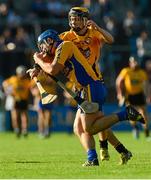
128	21
22	21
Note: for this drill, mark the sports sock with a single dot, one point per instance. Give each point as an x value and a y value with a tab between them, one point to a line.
91	154
103	144
121	149
46	131
146	131
17	130
135	131
122	115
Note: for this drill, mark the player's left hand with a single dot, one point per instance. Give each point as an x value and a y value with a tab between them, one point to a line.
92	24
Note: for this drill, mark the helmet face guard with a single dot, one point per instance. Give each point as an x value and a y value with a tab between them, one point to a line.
78	17
47	40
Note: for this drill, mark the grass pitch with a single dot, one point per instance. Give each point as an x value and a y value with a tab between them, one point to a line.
61	156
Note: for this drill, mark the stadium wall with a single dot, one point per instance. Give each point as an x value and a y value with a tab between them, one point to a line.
60	121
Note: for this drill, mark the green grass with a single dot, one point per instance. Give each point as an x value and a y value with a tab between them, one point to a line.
61	156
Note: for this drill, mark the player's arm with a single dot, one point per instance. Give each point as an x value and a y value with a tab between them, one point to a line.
5	85
53	68
119	82
107	36
119	90
61	56
8	86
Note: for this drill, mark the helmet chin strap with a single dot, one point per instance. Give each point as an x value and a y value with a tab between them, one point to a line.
79	28
76	29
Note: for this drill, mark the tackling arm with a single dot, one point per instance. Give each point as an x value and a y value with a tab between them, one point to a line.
108	37
120	97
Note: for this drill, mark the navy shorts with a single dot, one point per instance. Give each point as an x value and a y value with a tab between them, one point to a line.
95	92
45	106
137	99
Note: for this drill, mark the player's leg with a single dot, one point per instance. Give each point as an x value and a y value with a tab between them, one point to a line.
92	123
15	123
108	136
139	103
86	140
103	142
125	154
142	110
23	107
97	93
135	129
40	123
24	123
44	119
47	122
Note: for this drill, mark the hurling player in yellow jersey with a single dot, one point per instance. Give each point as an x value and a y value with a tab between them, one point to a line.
44	110
68	59
90	38
20	89
134	79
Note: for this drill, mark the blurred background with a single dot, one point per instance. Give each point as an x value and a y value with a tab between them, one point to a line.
22	21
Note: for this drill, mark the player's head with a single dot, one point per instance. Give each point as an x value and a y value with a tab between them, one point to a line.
21	71
47	40
78	17
133	63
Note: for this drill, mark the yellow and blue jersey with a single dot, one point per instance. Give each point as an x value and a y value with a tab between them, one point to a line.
77	68
69	55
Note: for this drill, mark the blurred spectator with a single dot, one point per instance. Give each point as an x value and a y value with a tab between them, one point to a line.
148	84
13	19
131	24
57	8
144	7
111	25
8	40
94	9
106	8
22	39
4	11
131	28
143	43
22	7
39	7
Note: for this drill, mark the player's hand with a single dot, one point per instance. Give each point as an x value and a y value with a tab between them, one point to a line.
121	100
148	100
92	24
33	72
38	57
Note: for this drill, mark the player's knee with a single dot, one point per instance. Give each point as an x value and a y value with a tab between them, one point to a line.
87	129
78	130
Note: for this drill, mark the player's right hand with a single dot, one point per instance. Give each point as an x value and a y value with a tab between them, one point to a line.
33	72
121	100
